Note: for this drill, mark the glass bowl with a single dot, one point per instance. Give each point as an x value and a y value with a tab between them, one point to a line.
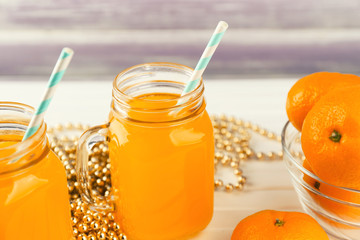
337	209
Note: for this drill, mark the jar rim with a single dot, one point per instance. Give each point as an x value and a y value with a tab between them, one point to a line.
21	146
197	90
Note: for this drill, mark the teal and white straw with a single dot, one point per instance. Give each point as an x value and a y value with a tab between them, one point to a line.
58	72
205	57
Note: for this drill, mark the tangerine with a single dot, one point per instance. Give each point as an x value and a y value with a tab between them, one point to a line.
338	201
278	225
330	137
309	89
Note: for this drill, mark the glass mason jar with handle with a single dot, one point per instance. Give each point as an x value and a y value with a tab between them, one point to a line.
34	201
161	150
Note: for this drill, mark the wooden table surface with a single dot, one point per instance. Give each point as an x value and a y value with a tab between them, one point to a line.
260	101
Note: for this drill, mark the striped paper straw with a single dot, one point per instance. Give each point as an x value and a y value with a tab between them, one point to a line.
205	57
56	75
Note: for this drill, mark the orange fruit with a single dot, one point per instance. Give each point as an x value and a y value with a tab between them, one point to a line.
330	137
277	225
308	90
345	211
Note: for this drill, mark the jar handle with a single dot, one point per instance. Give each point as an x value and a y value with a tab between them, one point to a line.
87	140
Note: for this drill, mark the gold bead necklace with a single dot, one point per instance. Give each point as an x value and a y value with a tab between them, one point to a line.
232	150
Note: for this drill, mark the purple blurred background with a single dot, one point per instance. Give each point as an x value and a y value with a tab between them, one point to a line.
266	38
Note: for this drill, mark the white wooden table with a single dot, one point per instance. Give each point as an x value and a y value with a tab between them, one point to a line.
261	101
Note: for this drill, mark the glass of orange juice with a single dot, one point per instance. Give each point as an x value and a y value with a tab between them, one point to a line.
34	202
161	150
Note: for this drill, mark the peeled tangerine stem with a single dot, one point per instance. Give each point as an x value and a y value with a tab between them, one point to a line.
279	223
317	185
335	136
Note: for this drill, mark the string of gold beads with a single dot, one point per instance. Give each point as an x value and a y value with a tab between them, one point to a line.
232	149
91	225
87	224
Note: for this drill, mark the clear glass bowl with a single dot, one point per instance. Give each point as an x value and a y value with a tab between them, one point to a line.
336	209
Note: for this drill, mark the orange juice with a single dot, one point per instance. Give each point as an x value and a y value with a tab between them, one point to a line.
162	176
34	202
